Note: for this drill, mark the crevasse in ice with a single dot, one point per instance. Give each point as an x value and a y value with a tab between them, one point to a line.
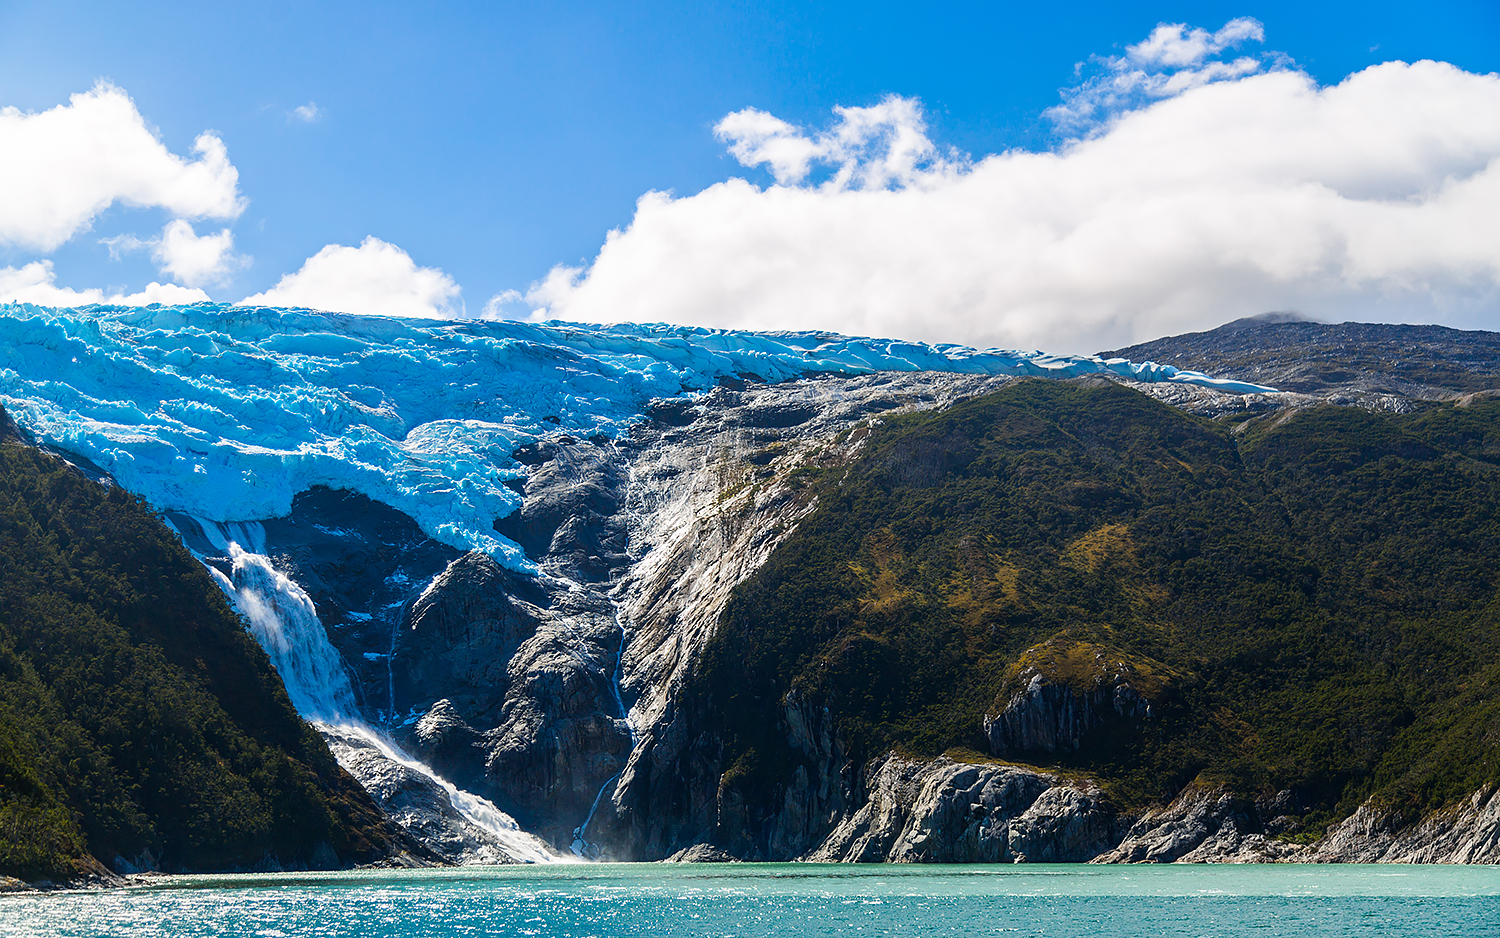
228	412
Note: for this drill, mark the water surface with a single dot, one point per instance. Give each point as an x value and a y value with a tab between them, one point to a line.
750	900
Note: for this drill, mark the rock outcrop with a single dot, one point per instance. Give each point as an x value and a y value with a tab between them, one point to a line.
1465	833
417	803
701	853
1202	825
953	812
457	641
716	486
1060	691
513	680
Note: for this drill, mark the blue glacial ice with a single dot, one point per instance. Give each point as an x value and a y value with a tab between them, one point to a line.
226	412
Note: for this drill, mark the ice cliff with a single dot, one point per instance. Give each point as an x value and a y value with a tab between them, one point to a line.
227	413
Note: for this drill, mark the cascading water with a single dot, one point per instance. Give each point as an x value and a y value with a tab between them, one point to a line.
285	622
580	846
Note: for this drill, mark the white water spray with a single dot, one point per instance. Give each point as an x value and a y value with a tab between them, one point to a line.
285	622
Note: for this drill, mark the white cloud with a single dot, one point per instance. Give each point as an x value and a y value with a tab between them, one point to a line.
1173	59
376	278
1174	45
503	305
1378	197
870	147
195	260
308	113
180	253
60	168
37	283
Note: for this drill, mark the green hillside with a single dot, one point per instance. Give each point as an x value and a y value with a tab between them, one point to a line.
137	717
1308	600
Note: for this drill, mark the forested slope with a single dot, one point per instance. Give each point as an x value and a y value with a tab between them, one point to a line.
1305	601
138	719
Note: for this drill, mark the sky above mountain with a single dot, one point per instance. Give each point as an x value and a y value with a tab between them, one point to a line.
993	174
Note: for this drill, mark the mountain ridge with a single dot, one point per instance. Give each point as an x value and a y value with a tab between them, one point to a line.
1051	684
1423	362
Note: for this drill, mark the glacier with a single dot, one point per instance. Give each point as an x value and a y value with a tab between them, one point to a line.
226	413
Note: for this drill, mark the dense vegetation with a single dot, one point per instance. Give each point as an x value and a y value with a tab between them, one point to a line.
137	717
1313	596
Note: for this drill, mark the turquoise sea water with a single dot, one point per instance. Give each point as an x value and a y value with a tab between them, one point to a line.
787	899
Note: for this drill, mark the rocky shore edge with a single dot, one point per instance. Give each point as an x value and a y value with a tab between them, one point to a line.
947	811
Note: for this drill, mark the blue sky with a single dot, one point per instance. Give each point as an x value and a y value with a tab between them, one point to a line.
495	141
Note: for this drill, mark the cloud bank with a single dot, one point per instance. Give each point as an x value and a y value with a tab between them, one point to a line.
37	283
62	167
377	278
1195	190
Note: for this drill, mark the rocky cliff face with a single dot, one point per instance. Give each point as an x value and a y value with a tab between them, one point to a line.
715	488
555	696
1205	825
1060	691
512	679
951	812
1466	833
559	697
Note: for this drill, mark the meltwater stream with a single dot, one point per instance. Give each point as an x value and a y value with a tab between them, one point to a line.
285	622
581	847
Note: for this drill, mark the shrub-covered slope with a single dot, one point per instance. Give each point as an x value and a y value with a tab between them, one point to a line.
1307	602
137	718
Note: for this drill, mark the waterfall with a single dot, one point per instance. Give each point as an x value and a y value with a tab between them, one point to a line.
285	622
580	846
481	812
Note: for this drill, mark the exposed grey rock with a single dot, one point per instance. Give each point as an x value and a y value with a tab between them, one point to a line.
1062	691
1465	833
457	641
701	853
1202	825
561	734
570	516
445	741
952	812
417	803
714	490
512	677
1349	360
1066	824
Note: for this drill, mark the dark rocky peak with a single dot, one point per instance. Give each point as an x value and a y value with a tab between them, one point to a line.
1293	353
1265	319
